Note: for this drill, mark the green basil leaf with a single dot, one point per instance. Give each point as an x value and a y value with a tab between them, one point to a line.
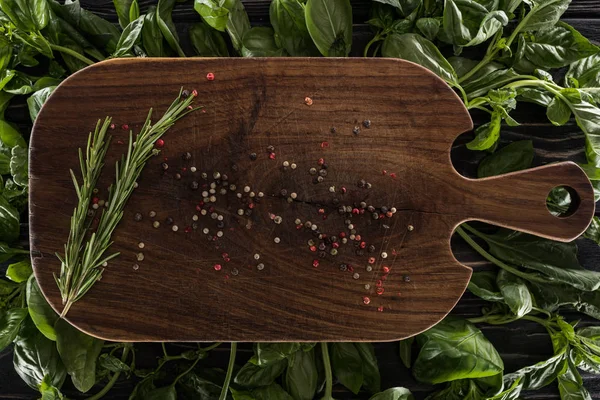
544	13
19	166
556	260
260	42
406	351
382	15
415	48
483	285
429	27
152	37
516	156
554	47
570	385
468	23
48	391
372	378
122	8
487	134
5	77
59	29
593	231
6	52
207	41
19	272
252	375
405	7
35	357
134	11
267	353
552	297
329	23
558	112
515	293
455	349
112	363
99	31
10	321
397	393
6	253
212	13
4	164
346	363
166	25
585	76
19	84
534	95
37	100
206	386
78	352
129	37
4	101
27	15
538	375
490	77
301	376
42	314
238	23
9	221
289	23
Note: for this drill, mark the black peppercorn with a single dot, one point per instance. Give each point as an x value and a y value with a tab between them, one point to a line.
322	246
343	267
194	225
384	209
270	148
406	278
367	123
186	156
335	201
371	249
220	224
137	217
322	254
371	209
360	252
194	185
362	183
169	221
178	176
322	172
356	130
185	93
253	156
164	166
283	192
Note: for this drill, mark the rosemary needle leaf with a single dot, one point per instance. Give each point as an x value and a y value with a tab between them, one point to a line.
82	263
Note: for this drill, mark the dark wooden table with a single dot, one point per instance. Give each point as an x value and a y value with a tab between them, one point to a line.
520	344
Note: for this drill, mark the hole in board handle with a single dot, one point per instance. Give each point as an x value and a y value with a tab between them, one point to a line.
562	201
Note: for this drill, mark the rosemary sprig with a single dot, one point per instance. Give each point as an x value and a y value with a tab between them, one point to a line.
82	264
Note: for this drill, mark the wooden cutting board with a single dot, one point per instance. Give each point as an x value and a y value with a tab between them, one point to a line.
315	138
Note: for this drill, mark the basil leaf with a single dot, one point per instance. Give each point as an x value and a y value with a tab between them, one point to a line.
488	78
112	363
6	52
429	27
37	100
557	260
260	42
42	314
78	352
593	231
19	166
415	48
544	13
100	32
372	378
554	47
10	321
9	136
19	272
538	375
27	15
212	13
202	387
516	156
451	340
558	112
35	357
238	23
406	350
166	25
397	393
329	23
483	285
9	221
487	134
346	363
551	297
19	84
6	253
515	293
585	76
301	375
5	77
252	375
4	164
570	385
129	37
152	37
468	23
4	100
534	95
59	30
405	7
289	23
134	11
122	7
267	353
207	41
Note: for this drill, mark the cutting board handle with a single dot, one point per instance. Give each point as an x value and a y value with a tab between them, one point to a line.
518	201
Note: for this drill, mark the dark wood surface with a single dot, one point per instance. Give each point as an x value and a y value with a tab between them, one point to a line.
237	303
520	344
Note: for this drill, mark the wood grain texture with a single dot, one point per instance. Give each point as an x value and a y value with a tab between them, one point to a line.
253	104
